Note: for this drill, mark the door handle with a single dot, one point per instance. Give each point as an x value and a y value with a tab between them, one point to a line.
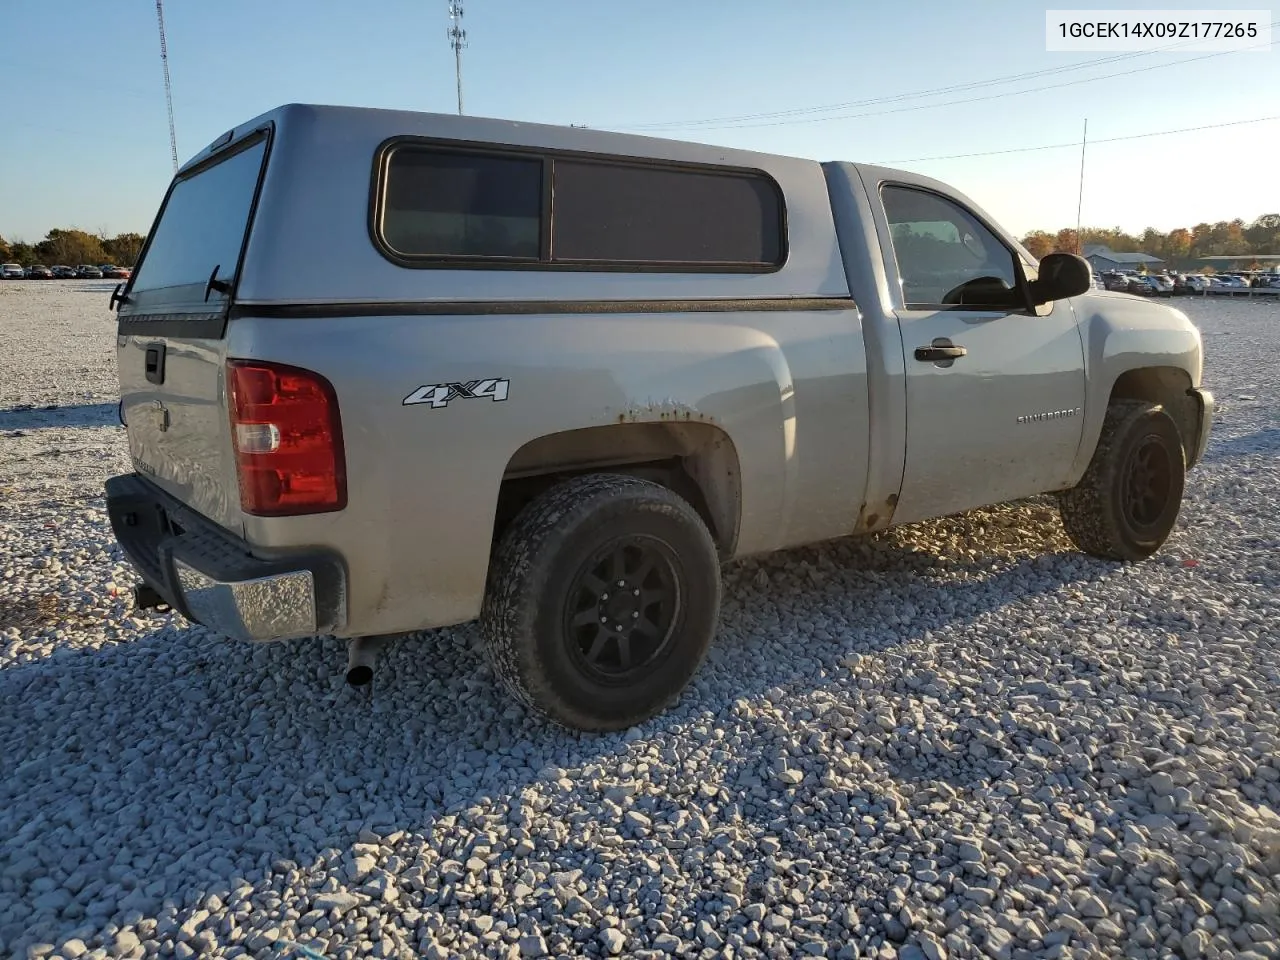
940	351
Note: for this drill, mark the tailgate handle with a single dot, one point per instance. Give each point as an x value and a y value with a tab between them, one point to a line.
155	363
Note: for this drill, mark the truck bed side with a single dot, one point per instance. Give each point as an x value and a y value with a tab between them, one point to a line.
786	390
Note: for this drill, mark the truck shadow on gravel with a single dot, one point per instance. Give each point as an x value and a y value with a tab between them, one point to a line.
1266	441
208	761
76	415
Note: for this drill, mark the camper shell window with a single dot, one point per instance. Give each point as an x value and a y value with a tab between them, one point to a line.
441	205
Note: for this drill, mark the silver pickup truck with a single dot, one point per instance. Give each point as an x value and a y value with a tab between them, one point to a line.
386	371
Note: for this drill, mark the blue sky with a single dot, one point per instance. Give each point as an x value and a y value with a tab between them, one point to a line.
84	139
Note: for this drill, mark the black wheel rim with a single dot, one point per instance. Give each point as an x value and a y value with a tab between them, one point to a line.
1148	481
621	610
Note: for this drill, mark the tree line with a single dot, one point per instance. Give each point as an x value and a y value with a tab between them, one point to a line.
1179	247
1232	238
74	247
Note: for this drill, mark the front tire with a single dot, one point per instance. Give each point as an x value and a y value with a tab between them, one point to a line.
602	600
1127	502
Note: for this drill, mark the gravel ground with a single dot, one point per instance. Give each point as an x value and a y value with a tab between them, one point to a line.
959	739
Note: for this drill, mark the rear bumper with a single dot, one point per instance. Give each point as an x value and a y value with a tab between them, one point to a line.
214	578
1204	401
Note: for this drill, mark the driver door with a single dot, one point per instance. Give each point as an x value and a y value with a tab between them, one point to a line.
995	389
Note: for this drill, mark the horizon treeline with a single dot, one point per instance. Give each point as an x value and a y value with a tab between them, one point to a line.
73	247
1226	238
1232	238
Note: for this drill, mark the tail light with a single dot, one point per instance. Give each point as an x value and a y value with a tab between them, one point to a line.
288	439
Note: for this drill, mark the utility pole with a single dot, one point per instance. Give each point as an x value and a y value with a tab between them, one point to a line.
168	92
1080	203
457	40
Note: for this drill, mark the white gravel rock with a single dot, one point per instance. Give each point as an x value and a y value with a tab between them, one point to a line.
955	740
338	900
613	941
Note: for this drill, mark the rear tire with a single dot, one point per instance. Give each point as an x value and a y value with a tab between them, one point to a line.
1126	504
561	632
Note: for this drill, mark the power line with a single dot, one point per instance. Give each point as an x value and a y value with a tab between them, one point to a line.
168	90
991	96
458	41
897	98
707	125
1060	146
949	156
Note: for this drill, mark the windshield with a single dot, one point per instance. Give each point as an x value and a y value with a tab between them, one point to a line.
202	226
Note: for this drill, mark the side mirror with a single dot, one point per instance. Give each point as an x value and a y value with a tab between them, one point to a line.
1062	275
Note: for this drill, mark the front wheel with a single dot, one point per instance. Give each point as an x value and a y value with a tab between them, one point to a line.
1126	504
603	598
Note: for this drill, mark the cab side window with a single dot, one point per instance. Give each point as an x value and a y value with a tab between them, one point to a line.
946	258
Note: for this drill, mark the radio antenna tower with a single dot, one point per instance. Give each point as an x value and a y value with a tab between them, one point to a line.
168	91
457	40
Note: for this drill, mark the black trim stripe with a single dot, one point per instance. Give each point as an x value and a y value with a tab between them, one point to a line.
473	308
198	326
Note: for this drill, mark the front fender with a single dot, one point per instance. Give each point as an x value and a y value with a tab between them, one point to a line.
1124	333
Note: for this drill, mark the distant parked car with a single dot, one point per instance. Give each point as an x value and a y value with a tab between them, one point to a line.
87	271
38	271
62	272
1197	283
1115	280
111	272
11	271
1161	284
1142	286
1230	282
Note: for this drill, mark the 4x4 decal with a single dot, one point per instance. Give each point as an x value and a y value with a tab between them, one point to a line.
439	394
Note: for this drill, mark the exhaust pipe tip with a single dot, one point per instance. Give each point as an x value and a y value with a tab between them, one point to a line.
362	653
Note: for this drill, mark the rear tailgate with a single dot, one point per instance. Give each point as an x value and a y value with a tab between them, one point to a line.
171	349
